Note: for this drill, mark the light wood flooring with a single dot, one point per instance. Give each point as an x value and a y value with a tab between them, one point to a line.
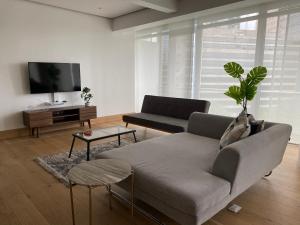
31	196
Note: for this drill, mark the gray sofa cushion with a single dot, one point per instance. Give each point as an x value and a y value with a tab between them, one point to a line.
208	125
175	169
158	122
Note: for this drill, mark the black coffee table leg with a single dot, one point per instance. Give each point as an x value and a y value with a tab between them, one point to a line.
119	140
134	136
71	149
88	152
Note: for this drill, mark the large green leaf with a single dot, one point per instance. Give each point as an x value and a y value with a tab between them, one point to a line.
250	92
235	93
234	69
243	89
256	75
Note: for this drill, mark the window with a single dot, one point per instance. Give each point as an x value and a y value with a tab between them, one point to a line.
186	60
219	45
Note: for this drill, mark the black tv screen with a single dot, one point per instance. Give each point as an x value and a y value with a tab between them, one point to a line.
54	77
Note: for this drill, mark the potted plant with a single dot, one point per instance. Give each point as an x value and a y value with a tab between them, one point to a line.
248	84
86	95
245	124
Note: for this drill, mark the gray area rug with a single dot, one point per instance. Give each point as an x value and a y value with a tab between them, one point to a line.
59	164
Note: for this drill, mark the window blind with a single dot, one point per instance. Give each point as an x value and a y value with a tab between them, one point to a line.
186	60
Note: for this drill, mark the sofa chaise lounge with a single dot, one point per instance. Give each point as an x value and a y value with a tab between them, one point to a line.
166	113
188	178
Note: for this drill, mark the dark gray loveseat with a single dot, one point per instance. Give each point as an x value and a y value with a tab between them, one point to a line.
166	113
187	177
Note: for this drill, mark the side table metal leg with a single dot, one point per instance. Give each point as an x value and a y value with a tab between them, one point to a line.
71	149
132	192
90	206
119	140
134	136
110	196
88	152
72	203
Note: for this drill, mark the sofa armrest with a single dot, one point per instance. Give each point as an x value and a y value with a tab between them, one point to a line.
245	162
208	125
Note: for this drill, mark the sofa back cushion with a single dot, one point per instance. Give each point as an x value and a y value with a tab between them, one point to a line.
180	108
208	125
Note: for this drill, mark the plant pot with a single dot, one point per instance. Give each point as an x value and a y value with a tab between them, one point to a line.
87	104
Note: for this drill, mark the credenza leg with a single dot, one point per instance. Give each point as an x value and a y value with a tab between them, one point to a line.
37	132
89	122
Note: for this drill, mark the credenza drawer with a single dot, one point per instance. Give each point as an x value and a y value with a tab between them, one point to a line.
38	119
41	123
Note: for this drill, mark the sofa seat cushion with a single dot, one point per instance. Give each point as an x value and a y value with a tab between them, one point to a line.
164	123
175	169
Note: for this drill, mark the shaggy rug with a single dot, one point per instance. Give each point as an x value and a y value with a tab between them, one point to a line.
59	164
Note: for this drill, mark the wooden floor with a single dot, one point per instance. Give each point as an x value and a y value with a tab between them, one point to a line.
30	196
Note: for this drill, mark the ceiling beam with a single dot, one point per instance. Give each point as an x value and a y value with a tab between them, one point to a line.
166	6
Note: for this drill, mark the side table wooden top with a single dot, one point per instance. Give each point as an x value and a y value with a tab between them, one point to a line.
100	172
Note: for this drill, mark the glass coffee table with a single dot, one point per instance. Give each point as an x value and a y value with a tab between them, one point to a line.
101	133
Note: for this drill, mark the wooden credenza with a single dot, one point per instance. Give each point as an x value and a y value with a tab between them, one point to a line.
35	119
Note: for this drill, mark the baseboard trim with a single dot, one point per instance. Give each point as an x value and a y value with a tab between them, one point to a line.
23	132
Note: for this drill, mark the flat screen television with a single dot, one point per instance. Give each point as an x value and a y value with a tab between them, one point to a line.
47	77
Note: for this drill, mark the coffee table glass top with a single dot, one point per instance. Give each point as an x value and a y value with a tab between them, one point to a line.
104	133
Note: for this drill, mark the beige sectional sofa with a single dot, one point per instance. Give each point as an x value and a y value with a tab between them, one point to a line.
187	177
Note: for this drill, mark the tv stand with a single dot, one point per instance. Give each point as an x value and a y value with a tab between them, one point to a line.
36	119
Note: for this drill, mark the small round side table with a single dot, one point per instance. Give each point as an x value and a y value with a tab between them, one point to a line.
101	172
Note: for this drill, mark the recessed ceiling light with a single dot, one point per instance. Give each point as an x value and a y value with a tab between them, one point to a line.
99	8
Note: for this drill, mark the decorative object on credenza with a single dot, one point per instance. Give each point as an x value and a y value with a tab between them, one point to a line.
86	95
244	124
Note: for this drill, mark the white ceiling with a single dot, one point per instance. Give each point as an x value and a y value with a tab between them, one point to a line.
104	8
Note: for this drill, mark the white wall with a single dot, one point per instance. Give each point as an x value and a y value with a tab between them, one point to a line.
32	32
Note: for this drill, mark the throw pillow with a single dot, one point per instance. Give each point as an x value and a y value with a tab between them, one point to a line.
239	128
243	126
256	126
